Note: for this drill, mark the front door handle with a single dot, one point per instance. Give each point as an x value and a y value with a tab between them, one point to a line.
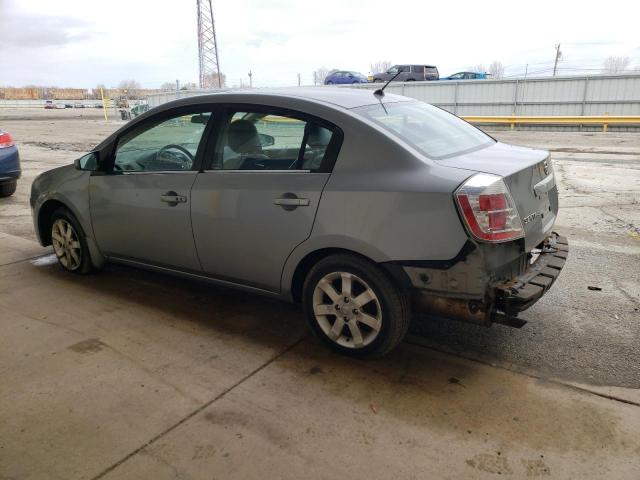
290	201
173	199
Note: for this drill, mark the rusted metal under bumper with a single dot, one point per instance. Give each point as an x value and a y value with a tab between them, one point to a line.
505	299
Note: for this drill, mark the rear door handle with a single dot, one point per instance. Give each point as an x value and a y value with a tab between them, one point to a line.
172	198
292	202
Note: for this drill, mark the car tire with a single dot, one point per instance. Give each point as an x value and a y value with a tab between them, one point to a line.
329	82
8	189
377	80
354	307
69	242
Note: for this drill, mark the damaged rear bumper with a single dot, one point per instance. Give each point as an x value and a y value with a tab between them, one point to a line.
503	300
520	293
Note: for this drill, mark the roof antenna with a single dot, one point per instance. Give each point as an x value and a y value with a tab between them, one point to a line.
380	91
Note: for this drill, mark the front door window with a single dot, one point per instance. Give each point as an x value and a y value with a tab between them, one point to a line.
167	145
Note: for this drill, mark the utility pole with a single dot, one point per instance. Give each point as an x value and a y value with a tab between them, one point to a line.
298	79
250	79
177	84
207	47
558	56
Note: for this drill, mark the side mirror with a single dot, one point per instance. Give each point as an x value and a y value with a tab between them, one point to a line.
266	140
88	162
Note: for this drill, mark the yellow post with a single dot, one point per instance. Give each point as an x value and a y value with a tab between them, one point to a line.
104	107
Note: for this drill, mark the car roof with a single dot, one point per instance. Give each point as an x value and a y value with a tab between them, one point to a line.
337	96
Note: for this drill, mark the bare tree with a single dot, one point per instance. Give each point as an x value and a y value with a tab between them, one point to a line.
319	75
189	86
380	66
168	86
479	68
614	65
131	85
496	69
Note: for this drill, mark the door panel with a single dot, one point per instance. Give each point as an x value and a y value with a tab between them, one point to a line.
145	216
246	224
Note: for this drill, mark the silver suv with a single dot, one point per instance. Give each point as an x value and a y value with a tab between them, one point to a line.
362	206
407	73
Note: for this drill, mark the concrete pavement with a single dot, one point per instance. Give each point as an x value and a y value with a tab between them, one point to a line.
128	374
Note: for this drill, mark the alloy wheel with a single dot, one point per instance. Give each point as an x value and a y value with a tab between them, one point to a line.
347	310
66	244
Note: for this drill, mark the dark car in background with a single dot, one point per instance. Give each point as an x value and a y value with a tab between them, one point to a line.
468	76
9	165
344	77
408	73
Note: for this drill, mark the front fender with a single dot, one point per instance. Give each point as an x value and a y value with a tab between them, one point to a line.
69	187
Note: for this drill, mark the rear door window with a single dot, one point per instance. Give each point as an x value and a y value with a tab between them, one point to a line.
417	68
262	140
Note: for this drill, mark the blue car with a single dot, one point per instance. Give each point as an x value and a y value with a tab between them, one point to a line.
468	76
343	76
9	165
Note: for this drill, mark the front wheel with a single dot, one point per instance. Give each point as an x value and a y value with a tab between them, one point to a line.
354	308
69	244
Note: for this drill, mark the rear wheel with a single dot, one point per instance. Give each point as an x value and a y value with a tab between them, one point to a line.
354	308
8	189
329	82
69	244
377	80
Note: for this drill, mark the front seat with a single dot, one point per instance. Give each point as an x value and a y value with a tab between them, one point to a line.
244	142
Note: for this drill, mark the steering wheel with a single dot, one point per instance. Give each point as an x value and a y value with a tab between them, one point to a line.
166	153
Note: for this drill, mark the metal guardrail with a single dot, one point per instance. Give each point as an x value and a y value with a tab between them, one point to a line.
513	120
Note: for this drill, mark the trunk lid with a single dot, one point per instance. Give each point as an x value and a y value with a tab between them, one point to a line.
529	176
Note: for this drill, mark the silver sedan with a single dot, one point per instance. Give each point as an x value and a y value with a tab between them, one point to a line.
363	207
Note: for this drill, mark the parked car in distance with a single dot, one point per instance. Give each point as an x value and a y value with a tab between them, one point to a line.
78	105
48	104
468	76
408	73
68	105
60	106
365	208
344	77
9	165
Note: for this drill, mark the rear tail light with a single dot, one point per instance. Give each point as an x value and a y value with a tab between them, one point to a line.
488	209
6	141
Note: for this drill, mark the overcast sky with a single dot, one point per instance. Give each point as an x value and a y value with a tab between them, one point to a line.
80	43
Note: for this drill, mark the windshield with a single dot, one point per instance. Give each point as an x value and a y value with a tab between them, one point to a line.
433	131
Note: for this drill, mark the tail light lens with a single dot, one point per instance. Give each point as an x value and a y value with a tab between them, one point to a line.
5	140
488	209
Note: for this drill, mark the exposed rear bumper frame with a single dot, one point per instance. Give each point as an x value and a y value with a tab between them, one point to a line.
519	293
